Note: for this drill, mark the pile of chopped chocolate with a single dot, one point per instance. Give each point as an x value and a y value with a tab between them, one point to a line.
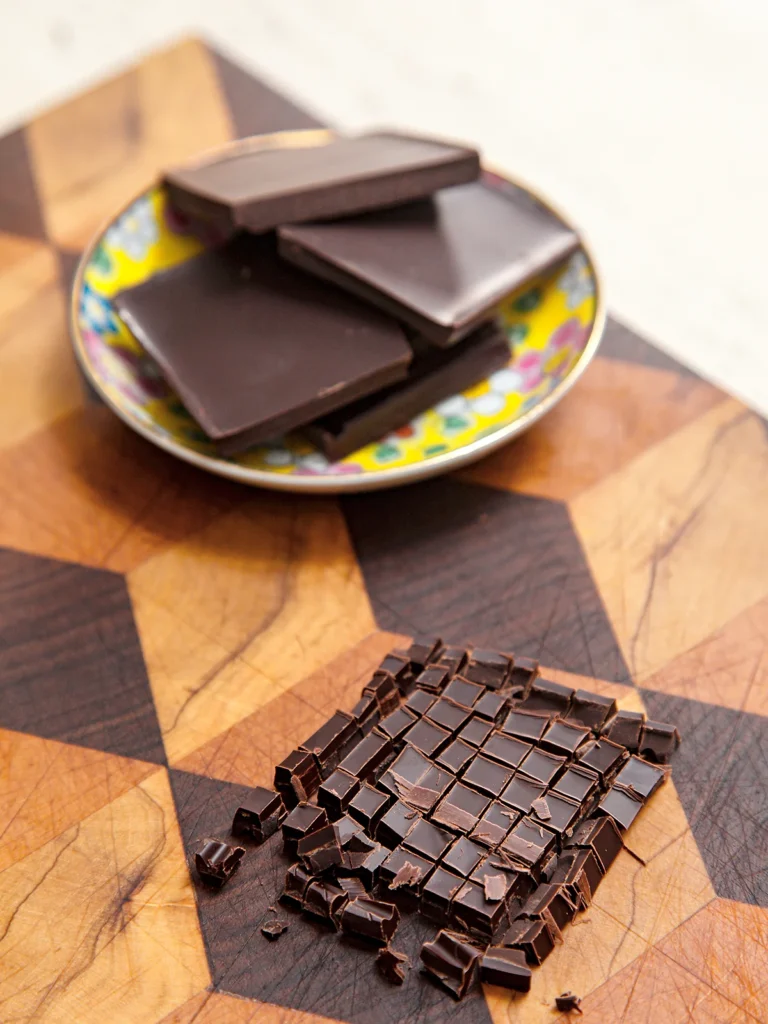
466	787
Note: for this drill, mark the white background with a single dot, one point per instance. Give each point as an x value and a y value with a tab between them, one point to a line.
645	119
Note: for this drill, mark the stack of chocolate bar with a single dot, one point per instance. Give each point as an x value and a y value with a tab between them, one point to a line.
465	787
354	285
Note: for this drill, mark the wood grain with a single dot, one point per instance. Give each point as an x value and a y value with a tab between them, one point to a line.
215	1007
27	266
20	212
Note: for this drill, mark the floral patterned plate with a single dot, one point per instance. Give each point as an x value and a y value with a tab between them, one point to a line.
554	326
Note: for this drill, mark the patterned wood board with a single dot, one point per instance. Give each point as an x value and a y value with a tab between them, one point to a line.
165	637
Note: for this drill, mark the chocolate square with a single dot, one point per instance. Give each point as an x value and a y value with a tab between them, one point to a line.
580	871
477	915
297	879
384	689
368	806
488	776
641	778
419	702
491	706
432	679
424	651
529	844
460	809
404	873
428	840
297	777
370	754
577	783
565	738
410	765
603	757
489	668
216	862
524	671
551	901
600	835
541	766
621	805
452	960
370	919
533	937
548	696
368	870
326	900
456	755
658	741
399	667
260	818
336	793
302	820
395	824
556	812
495	824
591	709
437	895
463	857
396	724
476	732
366	713
521	793
506	968
454	659
506	749
526	725
625	728
331	741
427	737
463	692
447	714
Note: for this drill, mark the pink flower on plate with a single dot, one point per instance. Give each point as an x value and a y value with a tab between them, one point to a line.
528	366
572	333
124	370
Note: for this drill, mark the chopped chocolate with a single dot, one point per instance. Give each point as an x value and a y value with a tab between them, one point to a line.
548	867
577	783
561	813
404	873
625	728
621	805
494	872
352	886
548	696
432	679
356	850
553	901
580	872
454	659
600	835
529	844
565	738
477	915
535	939
489	668
526	725
488	776
383	688
506	749
396	724
368	871
641	778
326	900
274	929
409	766
297	777
521	793
399	667
541	766
296	881
603	757
463	857
367	806
456	756
324	848
494	887
464	692
302	820
428	840
540	808
491	706
366	713
336	793
261	817
424	651
392	964
452	960
460	809
505	967
419	702
430	788
591	709
427	737
216	862
524	671
369	755
331	741
437	895
496	822
395	825
370	919
658	741
446	713
476	731
567	1002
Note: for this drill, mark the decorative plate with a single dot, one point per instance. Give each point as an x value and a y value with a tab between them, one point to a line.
554	326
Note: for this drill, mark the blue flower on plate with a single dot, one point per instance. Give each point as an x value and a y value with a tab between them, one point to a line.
135	231
96	312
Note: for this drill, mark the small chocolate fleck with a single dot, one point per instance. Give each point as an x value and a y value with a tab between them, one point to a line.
568	1002
495	887
392	964
541	807
272	930
408	874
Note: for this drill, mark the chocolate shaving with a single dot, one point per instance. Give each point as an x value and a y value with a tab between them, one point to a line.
272	930
541	807
455	817
392	965
568	1002
408	874
495	887
420	797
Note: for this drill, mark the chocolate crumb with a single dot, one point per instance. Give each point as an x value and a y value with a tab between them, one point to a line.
495	888
392	964
408	874
273	929
568	1002
541	807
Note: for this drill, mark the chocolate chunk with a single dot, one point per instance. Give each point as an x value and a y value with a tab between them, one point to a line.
331	741
541	766
437	895
456	756
336	793
302	820
591	709
521	793
548	867
449	715
352	886
399	667
577	783
491	706
297	880
493	230
369	755
658	741
366	713
529	844
476	731
397	724
534	938
625	728
621	805
324	848
454	659
580	872
452	960
430	788
494	887
640	778
600	835
477	915
368	871
552	901
419	702
396	824
505	967
565	738
370	919
488	776
427	737
297	777
325	900
460	808
432	679
496	822
384	689
463	692
261	817
497	881
404	873
256	186
526	725
463	857
356	849
567	1002
410	765
489	668
506	749
424	651
392	964
603	757
548	696
524	671
272	930
540	808
216	862
428	840
367	806
200	319
561	813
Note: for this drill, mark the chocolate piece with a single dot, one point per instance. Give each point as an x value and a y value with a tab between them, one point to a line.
488	776
495	873
352	886
496	822
325	900
591	709
548	867
561	814
534	938
495	232
454	658
456	755
262	816
526	725
369	755
367	806
302	820
565	738
505	967
336	793
452	960
506	749
216	862
404	873
438	893
524	671
548	696
296	881
427	792
600	835
229	330
392	964
603	757
476	731
460	809
324	848
541	766
463	857
410	765
272	930
424	651
432	679
427	737
428	840
448	714
356	850
331	741
476	914
494	888
370	919
529	844
368	871
397	724
419	702
464	692
384	689
297	777
658	741
489	668
621	805
551	902
640	778
567	1002
366	713
399	667
540	809
521	793
491	706
396	824
577	783
580	872
433	376
625	728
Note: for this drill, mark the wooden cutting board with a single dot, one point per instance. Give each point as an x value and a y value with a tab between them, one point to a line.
166	637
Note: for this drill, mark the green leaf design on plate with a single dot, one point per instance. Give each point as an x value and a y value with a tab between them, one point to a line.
386	452
455	423
529	301
101	260
517	332
435	449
